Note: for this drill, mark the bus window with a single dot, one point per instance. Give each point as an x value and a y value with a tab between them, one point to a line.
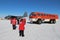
40	14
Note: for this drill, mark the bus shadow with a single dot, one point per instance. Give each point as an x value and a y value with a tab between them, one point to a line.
41	23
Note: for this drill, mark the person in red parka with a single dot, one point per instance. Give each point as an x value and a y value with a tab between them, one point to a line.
22	27
13	22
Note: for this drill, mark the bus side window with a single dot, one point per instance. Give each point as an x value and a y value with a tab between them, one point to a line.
40	14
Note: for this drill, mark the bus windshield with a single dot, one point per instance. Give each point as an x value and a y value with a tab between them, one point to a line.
32	14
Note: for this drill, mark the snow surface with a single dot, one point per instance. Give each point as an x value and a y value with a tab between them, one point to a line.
43	31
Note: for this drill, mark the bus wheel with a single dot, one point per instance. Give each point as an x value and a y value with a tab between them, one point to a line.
52	21
39	21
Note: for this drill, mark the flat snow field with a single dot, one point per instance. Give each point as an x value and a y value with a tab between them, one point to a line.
42	31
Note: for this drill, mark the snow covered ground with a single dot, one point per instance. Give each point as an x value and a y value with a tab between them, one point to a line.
43	31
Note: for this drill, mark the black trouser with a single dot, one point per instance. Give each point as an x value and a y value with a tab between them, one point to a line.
14	27
21	33
18	21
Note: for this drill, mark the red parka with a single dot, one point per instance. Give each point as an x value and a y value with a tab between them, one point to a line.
24	21
22	24
13	21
